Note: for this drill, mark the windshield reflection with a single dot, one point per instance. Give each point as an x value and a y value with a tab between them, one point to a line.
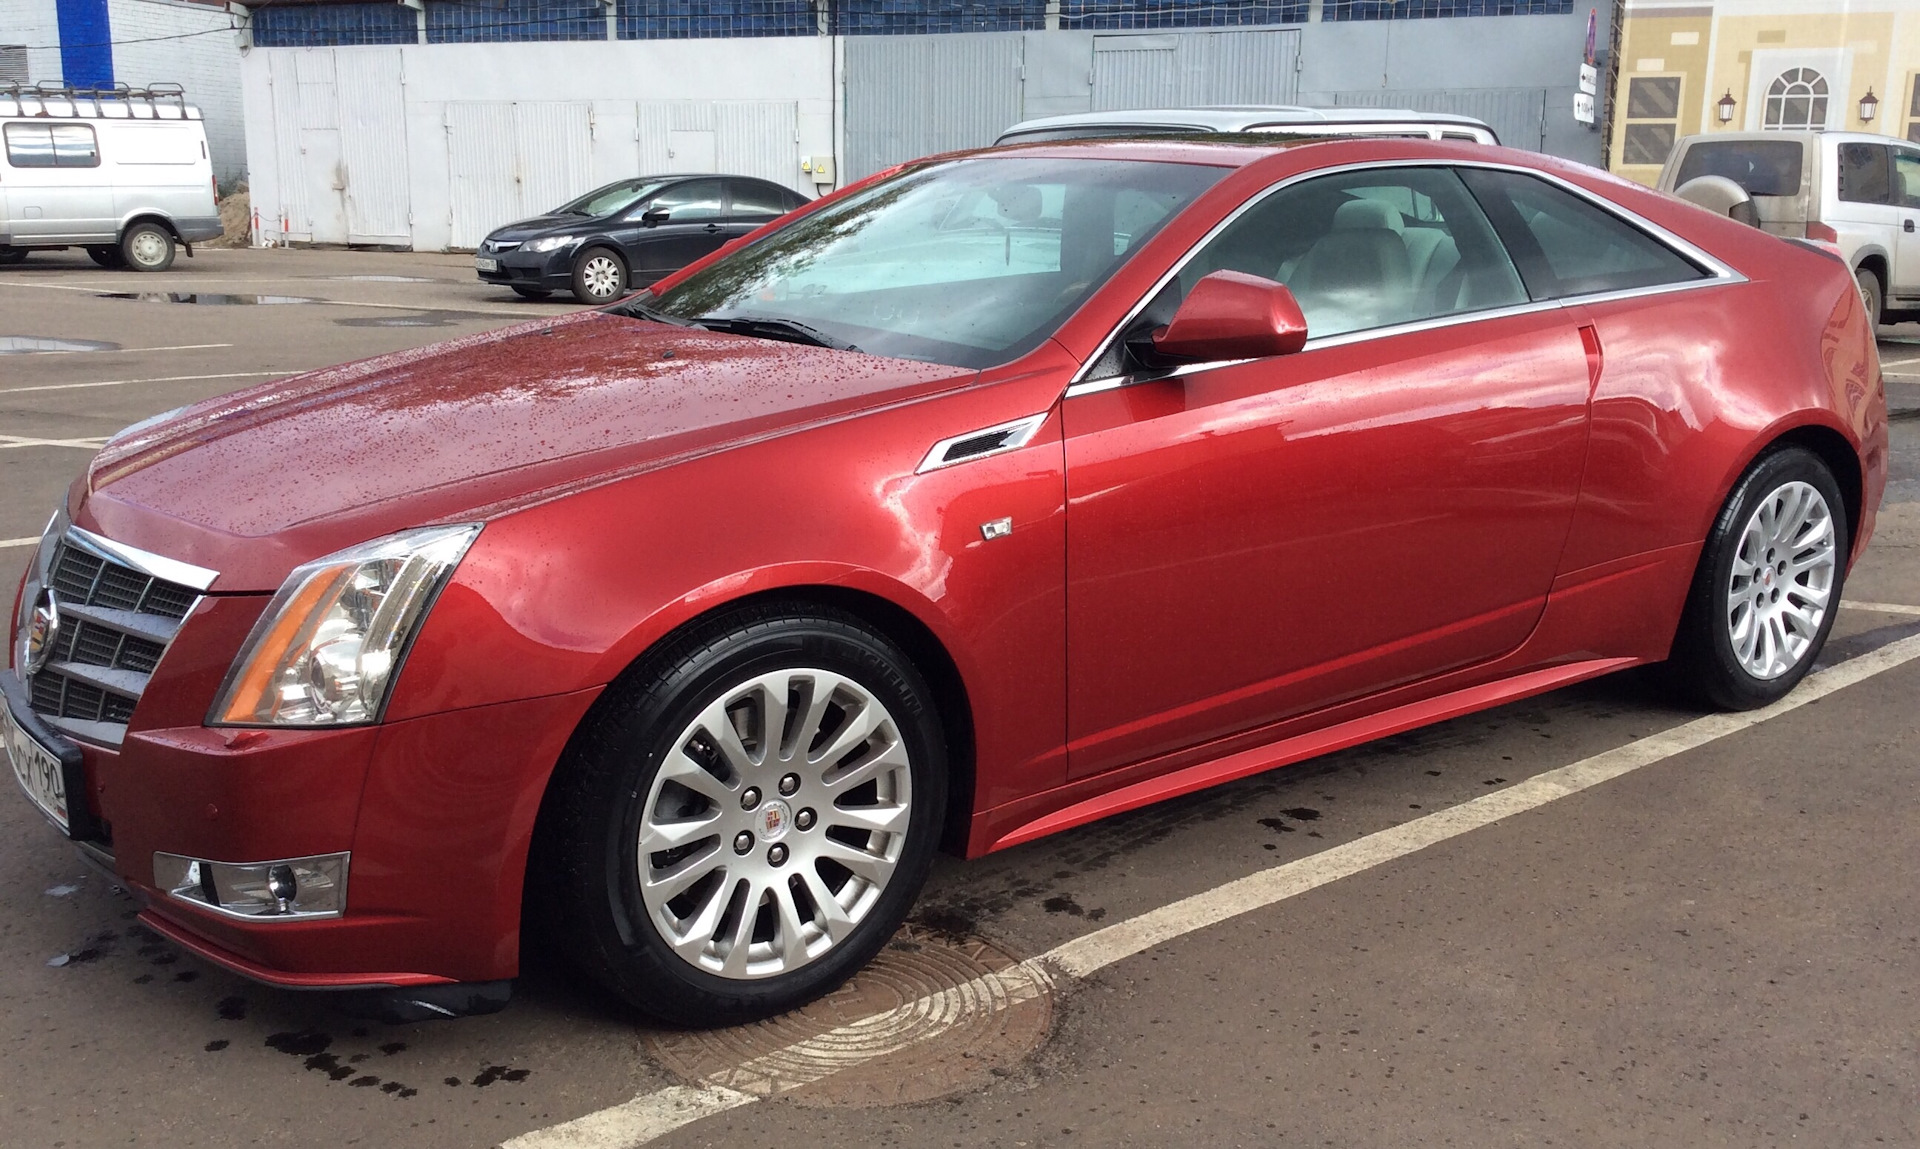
969	263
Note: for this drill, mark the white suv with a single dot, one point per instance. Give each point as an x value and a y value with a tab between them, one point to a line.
1857	191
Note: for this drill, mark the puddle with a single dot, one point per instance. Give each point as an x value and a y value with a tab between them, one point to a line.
203	298
383	278
34	345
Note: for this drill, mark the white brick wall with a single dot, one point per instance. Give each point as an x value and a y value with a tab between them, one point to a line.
35	24
207	65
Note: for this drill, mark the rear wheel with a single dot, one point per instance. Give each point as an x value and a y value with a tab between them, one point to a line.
1768	584
12	255
147	247
1872	295
738	830
105	256
599	276
532	292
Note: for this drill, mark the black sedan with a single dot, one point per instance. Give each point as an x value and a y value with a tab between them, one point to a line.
627	234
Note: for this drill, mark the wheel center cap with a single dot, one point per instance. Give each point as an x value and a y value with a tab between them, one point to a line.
775	818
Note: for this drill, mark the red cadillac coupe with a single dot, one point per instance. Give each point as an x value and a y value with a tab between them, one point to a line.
1007	492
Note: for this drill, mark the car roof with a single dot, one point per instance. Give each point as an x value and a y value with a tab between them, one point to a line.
1240	117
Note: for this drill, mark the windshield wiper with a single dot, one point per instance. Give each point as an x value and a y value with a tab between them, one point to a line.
771	327
635	309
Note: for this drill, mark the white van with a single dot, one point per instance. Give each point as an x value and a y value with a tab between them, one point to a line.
122	172
1855	190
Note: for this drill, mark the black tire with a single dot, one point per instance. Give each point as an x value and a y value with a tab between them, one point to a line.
106	256
584	881
147	246
1705	664
532	292
12	255
599	275
1873	296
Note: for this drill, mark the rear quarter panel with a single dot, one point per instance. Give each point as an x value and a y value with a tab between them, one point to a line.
1696	384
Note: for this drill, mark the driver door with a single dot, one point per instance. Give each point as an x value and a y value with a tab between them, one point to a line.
1252	541
677	226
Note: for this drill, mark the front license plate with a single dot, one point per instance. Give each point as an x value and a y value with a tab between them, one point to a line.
39	769
482	263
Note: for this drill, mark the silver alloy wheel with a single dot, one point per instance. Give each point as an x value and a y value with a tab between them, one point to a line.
601	275
1782	578
775	823
148	247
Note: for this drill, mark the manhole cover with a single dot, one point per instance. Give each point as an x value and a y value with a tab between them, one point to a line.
34	345
904	1052
203	298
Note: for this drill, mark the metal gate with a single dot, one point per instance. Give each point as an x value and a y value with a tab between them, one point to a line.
340	147
507	161
1196	69
911	96
1517	115
373	141
741	137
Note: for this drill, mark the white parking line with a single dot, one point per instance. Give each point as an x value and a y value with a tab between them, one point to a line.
1882	607
128	382
9	442
26	542
656	1114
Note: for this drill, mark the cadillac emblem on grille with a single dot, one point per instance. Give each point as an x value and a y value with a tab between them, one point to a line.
43	628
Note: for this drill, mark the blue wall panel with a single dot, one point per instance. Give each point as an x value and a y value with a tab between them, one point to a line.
86	43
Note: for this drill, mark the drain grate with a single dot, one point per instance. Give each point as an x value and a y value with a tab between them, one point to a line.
913	1055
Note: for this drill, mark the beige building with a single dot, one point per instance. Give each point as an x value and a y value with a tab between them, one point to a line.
1748	65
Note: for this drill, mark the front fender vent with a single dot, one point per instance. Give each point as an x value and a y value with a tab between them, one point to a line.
982	443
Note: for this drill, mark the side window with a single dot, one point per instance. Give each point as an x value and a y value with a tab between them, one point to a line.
1906	178
52	146
755	200
1359	250
1865	176
1567	246
689	202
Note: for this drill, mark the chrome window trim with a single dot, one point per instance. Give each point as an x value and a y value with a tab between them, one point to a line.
1019	432
1718	273
146	562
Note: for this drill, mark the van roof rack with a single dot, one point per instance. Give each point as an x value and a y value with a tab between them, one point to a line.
156	101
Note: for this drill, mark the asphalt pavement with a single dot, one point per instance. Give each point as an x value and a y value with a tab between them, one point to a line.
1587	919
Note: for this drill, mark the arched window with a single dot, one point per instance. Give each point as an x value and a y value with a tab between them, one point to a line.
1797	101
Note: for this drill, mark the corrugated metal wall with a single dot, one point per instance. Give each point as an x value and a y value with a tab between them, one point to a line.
1516	115
507	161
1195	69
375	150
740	137
910	96
289	216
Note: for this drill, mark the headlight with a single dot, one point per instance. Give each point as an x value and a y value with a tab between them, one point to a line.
327	648
551	242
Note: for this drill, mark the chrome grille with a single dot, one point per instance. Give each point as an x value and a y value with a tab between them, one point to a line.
116	620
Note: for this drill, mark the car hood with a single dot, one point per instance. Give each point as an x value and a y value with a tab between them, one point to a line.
522	230
253	483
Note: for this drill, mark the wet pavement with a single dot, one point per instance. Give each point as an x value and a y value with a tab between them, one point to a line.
1717	949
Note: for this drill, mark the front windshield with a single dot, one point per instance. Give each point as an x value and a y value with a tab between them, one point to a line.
968	263
610	199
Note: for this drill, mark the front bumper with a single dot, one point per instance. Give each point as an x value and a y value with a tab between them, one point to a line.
547	270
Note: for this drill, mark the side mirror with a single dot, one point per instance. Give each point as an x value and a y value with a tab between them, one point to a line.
1232	315
655	215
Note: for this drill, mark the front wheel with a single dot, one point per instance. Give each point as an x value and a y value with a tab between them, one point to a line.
737	830
147	247
1872	296
599	276
1767	586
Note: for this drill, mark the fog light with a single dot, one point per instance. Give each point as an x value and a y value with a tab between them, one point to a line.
290	889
